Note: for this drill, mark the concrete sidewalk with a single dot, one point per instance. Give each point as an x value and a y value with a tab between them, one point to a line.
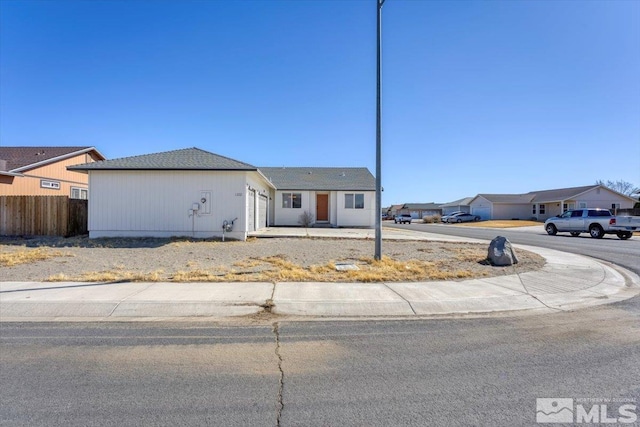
566	282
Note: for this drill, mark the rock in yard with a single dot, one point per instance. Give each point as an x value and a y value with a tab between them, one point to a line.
501	252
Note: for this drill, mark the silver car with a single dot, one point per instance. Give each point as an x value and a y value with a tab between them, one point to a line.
463	217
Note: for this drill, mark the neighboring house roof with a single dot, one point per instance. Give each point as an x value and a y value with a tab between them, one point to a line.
560	194
544	196
185	159
422	206
320	179
19	159
507	198
456	203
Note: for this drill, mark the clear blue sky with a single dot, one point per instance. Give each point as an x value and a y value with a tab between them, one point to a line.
478	96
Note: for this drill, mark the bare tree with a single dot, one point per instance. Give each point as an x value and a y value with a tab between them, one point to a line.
305	219
620	186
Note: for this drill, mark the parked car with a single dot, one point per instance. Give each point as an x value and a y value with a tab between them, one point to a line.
447	216
403	219
596	222
463	217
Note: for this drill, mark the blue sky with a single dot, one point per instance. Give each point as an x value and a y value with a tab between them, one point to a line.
478	96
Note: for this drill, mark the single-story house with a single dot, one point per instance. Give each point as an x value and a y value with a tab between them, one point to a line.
42	171
461	205
420	210
340	197
394	210
540	205
192	192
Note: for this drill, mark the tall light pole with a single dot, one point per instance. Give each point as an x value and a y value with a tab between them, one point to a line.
378	254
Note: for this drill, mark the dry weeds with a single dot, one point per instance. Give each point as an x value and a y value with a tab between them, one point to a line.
26	256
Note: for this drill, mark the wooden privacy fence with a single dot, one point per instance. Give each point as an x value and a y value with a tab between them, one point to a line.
42	216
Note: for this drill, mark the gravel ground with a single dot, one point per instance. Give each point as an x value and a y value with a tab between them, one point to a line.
79	255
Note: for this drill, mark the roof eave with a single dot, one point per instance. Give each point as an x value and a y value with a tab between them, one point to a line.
58	158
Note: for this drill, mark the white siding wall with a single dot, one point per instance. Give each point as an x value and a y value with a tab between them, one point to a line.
356	217
289	216
481	207
157	203
501	211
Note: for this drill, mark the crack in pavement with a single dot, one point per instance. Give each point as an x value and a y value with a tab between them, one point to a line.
276	332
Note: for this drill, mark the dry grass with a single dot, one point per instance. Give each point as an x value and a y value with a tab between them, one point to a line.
279	269
26	256
501	223
110	276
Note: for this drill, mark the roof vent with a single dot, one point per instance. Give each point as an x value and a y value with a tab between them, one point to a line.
310	172
343	174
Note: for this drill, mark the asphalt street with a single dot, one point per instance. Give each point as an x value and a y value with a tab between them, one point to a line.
453	372
268	372
625	253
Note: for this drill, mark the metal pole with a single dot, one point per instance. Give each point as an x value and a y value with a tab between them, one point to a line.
378	254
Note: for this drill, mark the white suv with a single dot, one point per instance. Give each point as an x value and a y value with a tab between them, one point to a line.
403	219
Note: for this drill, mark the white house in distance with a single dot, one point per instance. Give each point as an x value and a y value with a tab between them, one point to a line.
540	205
192	192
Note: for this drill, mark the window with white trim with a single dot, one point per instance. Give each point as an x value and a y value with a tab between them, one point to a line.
542	209
79	193
291	200
534	210
354	201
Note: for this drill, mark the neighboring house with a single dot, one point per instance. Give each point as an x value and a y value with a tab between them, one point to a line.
461	205
394	210
192	192
42	171
339	197
420	210
540	205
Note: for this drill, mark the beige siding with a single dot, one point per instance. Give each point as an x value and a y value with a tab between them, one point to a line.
502	211
29	184
603	198
158	203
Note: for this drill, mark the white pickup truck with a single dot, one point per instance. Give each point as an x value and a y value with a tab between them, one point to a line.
596	222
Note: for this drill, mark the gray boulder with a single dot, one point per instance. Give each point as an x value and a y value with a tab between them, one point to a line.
501	252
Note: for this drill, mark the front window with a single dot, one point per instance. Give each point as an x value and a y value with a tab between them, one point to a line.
534	210
354	201
542	209
291	200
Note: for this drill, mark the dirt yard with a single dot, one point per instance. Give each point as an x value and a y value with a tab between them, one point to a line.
271	259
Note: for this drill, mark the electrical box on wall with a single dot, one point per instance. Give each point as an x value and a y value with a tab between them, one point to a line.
205	201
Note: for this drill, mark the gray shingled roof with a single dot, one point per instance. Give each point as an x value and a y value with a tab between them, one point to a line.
320	179
422	206
456	203
539	196
508	198
20	158
560	194
185	159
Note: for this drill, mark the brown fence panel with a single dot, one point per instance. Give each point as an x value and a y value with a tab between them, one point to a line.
42	216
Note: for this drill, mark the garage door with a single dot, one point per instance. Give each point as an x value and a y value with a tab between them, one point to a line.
262	211
484	213
251	211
